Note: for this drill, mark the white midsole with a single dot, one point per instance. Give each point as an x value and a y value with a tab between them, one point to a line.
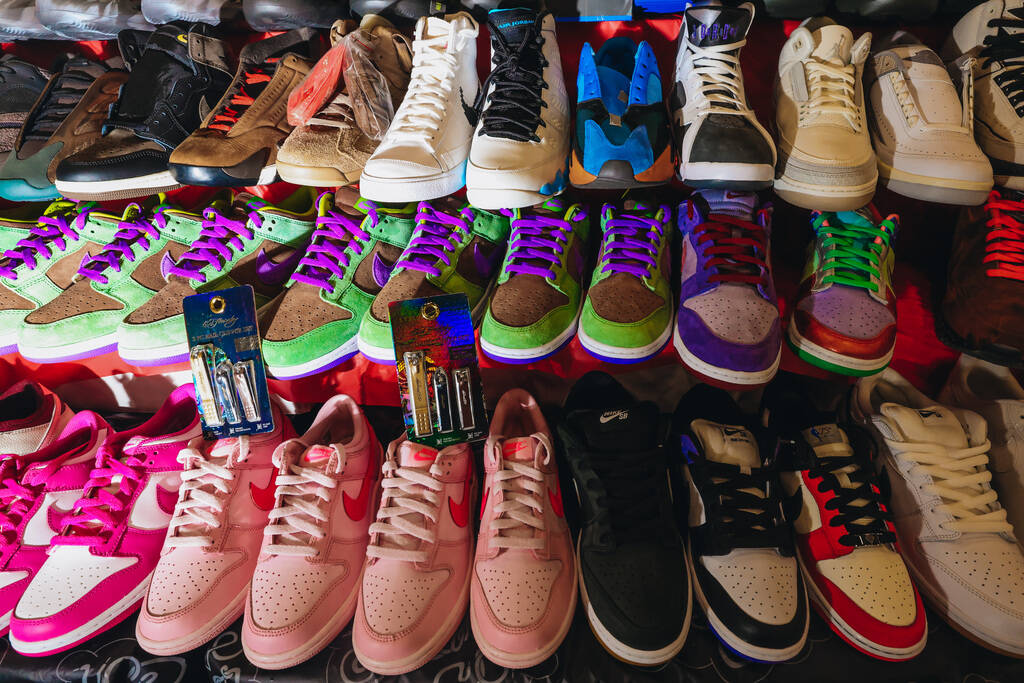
639	352
834	358
154	180
158	353
710	170
294	371
44	354
722	374
412	189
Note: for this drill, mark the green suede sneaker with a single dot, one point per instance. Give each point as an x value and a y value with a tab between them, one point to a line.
627	316
42	265
17	221
313	325
536	304
454	248
82	321
253	243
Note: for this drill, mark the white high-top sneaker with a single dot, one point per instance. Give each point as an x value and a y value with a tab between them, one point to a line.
991	32
952	530
520	151
923	137
423	155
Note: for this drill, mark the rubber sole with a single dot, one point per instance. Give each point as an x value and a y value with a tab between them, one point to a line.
616	354
121	188
824	197
378	189
314	176
713	175
821	357
252	171
724	376
200	636
933	189
163	355
70	352
18	190
313	367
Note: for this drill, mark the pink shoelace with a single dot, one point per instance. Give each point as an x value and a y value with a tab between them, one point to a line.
99	510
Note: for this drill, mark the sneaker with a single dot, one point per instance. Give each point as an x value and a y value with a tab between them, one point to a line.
454	248
520	150
91	19
67	118
201	582
923	138
20	21
416	579
31	418
523	590
236	144
985	41
307	578
845	539
17	221
281	15
182	72
313	324
24	82
728	330
44	264
627	315
537	299
952	530
741	557
208	11
424	153
254	243
98	568
722	143
82	321
825	157
994	392
634	587
328	147
844	319
622	138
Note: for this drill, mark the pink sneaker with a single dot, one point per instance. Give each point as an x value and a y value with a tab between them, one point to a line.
37	492
200	584
305	586
524	578
98	568
416	577
31	418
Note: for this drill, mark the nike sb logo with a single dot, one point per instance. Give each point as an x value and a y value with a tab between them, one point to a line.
614	415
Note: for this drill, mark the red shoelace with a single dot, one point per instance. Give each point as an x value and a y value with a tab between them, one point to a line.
738	249
242	100
1004	243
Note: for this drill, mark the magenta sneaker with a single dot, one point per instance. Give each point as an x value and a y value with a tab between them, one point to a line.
524	577
416	578
307	579
37	491
201	582
31	418
99	566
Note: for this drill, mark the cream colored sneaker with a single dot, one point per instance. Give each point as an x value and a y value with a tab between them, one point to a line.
825	156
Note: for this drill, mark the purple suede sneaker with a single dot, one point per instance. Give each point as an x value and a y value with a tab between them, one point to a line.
728	330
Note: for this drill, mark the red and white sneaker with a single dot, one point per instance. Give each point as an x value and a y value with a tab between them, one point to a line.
31	418
99	566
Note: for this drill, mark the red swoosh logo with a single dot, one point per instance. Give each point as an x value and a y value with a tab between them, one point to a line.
460	512
263	498
166	500
555	497
356	508
483	503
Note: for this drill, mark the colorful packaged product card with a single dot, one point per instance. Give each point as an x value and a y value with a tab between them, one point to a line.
227	363
438	370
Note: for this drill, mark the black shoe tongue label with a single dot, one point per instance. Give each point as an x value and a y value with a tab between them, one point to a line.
712	26
513	22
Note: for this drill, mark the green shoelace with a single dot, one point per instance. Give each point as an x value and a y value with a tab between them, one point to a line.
852	248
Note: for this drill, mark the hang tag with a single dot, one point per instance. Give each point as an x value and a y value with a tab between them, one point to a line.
227	363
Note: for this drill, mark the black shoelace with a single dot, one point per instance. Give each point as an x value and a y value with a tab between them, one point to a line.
66	93
513	110
1008	49
631	482
745	519
865	522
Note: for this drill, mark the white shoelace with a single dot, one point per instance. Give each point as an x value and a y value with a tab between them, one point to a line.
297	520
833	88
959	476
200	507
522	494
433	77
720	76
407	491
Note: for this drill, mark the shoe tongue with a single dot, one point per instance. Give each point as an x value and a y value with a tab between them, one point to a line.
711	24
416	455
727	444
632	429
738	204
520	449
927	425
433	27
834	43
512	22
824	434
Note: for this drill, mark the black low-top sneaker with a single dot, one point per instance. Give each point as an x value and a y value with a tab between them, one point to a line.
741	556
633	580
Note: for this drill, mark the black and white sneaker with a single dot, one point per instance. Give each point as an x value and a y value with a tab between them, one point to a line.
721	142
741	555
633	579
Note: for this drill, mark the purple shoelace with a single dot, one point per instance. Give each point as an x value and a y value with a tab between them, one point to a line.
432	240
51	236
630	244
335	237
537	238
218	240
121	248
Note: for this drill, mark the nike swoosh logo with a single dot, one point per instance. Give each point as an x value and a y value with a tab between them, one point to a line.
485	265
418	455
472	115
460	511
166	263
166	499
356	508
271	273
264	498
381	271
483	503
615	415
555	496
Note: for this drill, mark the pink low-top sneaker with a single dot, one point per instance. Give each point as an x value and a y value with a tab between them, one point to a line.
99	566
31	418
37	492
416	578
306	581
213	541
524	575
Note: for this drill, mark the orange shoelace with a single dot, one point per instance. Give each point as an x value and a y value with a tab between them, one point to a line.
242	100
1004	243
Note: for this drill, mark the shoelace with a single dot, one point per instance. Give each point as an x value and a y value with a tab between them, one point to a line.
1004	241
258	76
297	520
141	231
721	80
852	251
630	244
51	236
513	109
833	90
631	503
72	82
200	507
335	238
522	498
104	499
219	239
407	491
747	506
905	98
960	477
432	79
537	241
1008	49
738	249
436	236
15	498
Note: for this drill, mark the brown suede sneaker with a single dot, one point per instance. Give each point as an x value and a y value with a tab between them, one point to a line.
330	148
236	145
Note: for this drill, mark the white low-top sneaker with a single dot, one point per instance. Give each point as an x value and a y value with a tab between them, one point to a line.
423	155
